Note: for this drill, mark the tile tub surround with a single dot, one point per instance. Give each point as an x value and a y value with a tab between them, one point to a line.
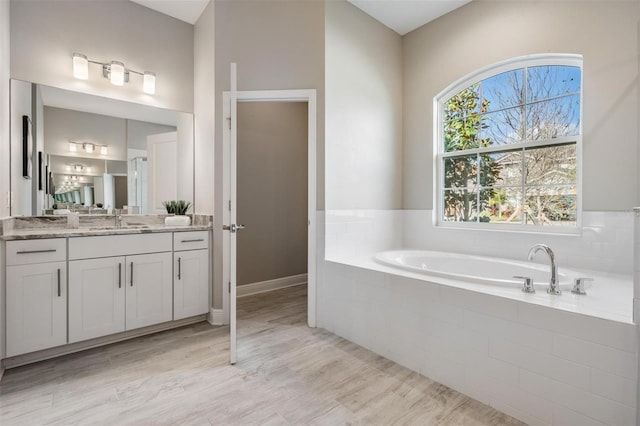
605	244
538	364
56	226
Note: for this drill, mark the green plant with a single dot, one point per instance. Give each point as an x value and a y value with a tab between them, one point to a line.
177	207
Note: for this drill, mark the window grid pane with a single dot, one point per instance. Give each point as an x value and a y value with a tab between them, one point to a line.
526	185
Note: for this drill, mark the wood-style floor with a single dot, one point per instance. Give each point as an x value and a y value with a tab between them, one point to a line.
287	374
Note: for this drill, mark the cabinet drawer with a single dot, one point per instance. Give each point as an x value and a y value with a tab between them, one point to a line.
118	245
36	251
190	240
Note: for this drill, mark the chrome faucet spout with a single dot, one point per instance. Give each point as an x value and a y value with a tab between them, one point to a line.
554	287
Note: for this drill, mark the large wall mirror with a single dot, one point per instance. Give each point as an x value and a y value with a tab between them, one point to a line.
92	154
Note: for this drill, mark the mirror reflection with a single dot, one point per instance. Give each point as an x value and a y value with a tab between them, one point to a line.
93	154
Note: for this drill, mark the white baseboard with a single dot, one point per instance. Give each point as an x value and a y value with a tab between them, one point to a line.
270	285
216	317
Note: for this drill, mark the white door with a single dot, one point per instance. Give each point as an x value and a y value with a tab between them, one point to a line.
36	307
149	294
230	227
190	283
96	297
162	170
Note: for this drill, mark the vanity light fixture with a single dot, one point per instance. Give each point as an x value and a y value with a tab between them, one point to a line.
73	147
115	71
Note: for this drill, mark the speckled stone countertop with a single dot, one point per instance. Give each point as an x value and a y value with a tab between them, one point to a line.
40	227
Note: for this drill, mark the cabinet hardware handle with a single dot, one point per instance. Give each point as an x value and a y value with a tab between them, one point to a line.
192	241
36	251
131	281
59	289
120	275
179	267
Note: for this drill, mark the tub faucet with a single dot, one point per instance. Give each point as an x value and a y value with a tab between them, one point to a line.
554	288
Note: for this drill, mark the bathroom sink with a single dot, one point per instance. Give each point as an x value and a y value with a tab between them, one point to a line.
113	227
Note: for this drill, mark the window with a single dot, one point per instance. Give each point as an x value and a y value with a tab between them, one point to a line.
509	144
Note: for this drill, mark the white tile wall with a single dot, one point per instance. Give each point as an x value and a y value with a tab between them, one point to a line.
541	365
354	232
538	364
606	242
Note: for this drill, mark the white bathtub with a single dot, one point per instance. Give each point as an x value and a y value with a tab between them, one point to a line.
479	269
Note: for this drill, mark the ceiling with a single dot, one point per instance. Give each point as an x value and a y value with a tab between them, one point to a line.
402	16
184	10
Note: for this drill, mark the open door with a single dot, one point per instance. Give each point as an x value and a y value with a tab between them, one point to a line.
229	227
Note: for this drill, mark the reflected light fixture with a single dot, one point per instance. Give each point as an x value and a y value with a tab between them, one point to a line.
115	71
88	147
149	83
80	66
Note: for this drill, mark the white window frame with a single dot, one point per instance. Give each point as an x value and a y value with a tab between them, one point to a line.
439	154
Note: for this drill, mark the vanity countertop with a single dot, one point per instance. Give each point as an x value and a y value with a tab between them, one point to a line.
51	227
27	234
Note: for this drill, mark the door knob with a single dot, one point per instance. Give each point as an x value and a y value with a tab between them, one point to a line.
233	227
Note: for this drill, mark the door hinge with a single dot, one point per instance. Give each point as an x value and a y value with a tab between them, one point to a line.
229	121
229	205
229	287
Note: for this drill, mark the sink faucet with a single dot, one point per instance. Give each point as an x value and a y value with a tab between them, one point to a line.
118	218
554	288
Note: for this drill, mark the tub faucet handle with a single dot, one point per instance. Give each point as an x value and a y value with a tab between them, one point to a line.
528	284
578	285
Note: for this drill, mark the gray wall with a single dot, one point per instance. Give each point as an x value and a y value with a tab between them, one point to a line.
44	34
204	108
137	132
272	190
5	74
61	125
363	111
485	32
277	45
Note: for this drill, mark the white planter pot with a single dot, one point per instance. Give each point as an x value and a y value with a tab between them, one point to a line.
177	220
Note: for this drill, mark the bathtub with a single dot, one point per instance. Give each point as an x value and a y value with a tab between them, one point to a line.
476	269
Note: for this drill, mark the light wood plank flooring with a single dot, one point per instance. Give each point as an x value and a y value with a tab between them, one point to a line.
287	374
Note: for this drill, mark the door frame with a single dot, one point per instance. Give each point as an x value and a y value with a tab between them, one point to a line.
294	95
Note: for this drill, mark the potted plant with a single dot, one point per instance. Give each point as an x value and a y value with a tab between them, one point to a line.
177	210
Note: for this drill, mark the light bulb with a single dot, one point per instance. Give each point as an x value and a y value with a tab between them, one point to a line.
72	147
149	83
117	73
89	147
80	66
104	150
78	168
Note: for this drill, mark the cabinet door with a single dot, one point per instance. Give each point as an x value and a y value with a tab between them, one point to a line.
149	295
36	307
96	297
191	283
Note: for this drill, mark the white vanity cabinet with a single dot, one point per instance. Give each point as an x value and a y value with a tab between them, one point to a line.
149	295
36	295
191	274
119	283
96	297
